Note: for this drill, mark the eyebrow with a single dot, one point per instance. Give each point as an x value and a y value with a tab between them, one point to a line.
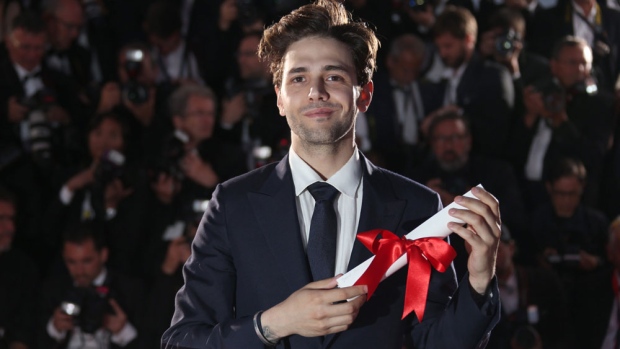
331	67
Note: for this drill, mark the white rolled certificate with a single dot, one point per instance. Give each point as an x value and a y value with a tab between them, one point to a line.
436	226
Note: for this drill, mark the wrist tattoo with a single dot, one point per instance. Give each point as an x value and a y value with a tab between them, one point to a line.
269	335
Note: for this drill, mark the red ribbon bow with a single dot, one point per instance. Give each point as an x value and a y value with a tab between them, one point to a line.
421	255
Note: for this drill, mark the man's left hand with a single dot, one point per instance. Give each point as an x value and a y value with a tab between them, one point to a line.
115	322
482	232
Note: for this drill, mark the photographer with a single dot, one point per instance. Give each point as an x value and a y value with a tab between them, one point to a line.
250	117
138	99
39	106
108	190
564	116
191	163
89	305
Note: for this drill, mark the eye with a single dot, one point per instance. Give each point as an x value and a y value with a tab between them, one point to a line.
335	78
297	79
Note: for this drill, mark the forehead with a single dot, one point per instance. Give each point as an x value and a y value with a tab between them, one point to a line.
20	36
81	250
317	53
449	126
195	101
575	52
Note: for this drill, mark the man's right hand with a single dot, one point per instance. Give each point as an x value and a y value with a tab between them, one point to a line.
82	179
17	112
61	321
314	310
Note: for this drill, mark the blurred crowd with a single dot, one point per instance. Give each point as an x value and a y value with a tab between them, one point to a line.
119	118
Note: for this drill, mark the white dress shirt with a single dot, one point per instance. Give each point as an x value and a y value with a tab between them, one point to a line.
101	338
610	334
581	29
538	150
409	113
178	64
454	79
348	205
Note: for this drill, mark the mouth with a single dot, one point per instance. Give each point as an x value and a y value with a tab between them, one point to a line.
319	112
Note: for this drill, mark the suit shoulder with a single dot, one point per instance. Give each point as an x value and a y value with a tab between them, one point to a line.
249	180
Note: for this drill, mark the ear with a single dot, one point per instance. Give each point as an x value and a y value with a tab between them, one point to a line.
104	254
363	101
177	122
279	101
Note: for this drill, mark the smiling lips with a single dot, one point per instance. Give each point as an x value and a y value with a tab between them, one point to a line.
319	112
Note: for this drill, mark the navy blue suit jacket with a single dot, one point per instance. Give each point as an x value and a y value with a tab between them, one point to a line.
248	255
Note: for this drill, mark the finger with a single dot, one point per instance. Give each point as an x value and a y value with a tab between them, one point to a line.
477	224
115	306
347	293
487	198
324	284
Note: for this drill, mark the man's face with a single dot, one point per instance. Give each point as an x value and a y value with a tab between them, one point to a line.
7	225
107	136
573	65
199	118
404	68
64	26
250	67
451	143
505	252
453	52
565	195
26	49
84	262
319	95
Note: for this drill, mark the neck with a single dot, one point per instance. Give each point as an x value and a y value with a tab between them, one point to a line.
325	159
586	6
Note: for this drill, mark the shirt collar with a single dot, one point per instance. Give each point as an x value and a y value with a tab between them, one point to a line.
346	180
100	279
22	72
454	74
578	9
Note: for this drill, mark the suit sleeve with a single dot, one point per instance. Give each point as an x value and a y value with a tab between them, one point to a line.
462	320
205	306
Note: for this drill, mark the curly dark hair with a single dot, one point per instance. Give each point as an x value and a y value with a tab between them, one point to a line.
324	18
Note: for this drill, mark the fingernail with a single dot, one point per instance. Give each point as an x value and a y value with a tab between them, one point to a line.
458	199
452	211
475	190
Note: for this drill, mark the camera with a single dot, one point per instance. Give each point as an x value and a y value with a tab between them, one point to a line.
40	130
505	43
111	167
133	90
553	94
586	86
170	160
87	306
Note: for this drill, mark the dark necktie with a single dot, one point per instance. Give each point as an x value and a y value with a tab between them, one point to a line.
323	231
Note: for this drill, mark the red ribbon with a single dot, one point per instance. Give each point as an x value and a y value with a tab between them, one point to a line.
421	255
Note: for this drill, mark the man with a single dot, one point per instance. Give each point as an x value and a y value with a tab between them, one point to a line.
64	20
91	306
531	296
397	107
452	169
249	115
175	58
482	89
598	25
18	281
601	304
249	274
564	117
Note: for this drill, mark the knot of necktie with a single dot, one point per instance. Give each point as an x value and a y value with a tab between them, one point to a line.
323	191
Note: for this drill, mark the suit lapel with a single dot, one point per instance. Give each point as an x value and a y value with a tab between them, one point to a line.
276	212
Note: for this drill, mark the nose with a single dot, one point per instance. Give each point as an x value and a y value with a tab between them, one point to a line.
317	91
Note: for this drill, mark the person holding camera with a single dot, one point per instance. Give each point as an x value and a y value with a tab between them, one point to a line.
88	305
250	117
191	163
39	106
138	99
566	115
109	190
570	235
18	281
